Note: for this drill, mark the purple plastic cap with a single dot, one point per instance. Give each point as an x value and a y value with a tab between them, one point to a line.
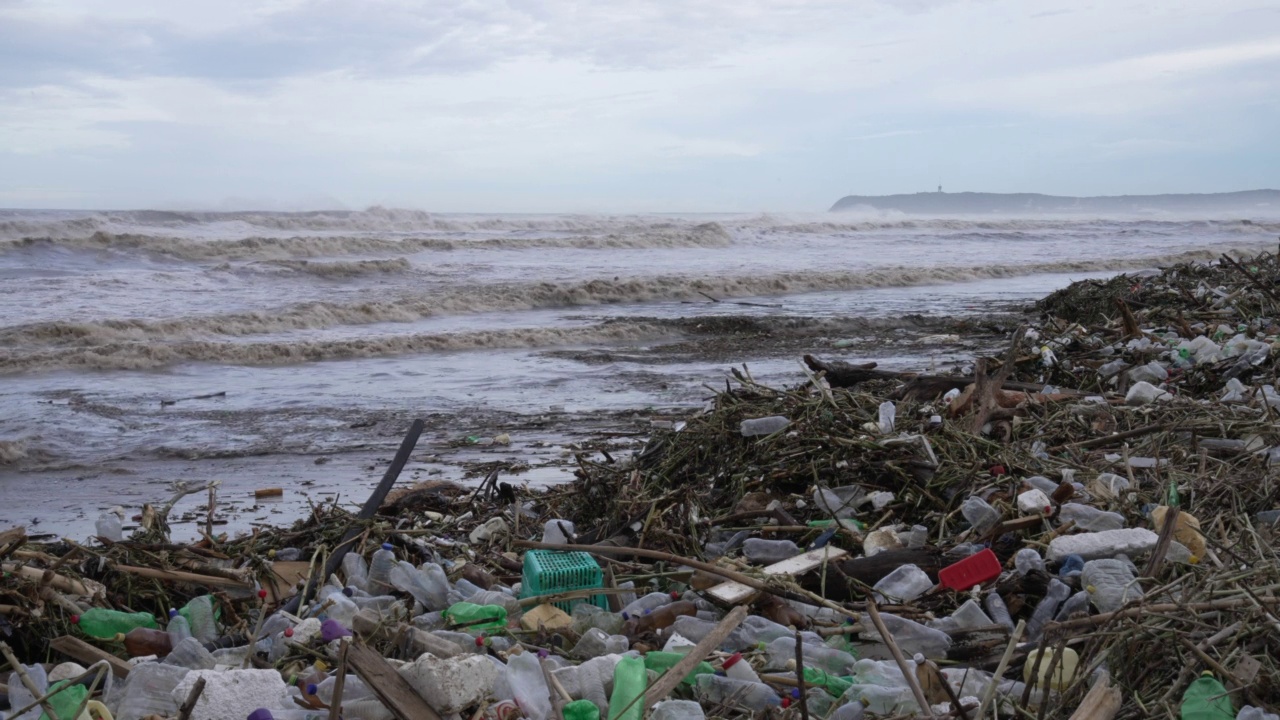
544	654
261	714
331	630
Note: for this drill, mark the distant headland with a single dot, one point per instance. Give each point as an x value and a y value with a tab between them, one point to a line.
935	203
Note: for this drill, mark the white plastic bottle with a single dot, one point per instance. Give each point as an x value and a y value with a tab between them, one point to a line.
524	675
109	526
739	669
763	426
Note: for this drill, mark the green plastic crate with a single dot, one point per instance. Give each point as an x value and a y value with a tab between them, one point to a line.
552	571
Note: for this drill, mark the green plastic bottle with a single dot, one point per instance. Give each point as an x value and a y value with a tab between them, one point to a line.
476	617
581	710
660	661
835	685
66	699
629	683
1207	699
105	624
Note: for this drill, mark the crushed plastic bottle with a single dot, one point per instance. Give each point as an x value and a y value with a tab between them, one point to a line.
763	426
558	532
529	686
713	690
759	550
356	571
428	585
1110	583
888	412
1090	518
1047	608
596	642
781	655
1027	560
979	513
110	525
904	584
1206	699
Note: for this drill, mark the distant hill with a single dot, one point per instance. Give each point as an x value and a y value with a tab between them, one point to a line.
940	203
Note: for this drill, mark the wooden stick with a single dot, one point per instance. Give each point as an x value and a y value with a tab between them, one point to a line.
59	582
896	651
184	712
1102	702
804	702
370	507
77	649
42	699
676	673
181	576
340	680
1104	618
1004	665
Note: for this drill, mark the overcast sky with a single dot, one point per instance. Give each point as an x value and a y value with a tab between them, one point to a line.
617	105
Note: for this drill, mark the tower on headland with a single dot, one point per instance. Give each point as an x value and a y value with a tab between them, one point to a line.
939	188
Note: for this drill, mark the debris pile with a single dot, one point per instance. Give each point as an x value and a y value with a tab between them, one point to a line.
1082	527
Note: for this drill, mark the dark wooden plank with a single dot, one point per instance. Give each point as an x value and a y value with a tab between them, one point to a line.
394	691
77	649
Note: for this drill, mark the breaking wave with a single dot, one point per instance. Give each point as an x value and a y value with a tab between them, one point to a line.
331	270
16	342
269	248
145	355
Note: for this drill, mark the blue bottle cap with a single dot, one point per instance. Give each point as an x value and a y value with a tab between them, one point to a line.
795	693
348	591
172	613
311	688
387	546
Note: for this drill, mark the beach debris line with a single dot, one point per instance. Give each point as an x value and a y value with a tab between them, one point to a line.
1023	538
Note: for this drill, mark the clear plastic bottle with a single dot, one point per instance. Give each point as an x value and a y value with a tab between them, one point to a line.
524	675
337	606
384	558
178	628
695	629
759	550
586	616
651	601
781	655
763	426
596	642
1026	560
739	669
714	689
558	532
1047	608
1077	603
353	688
1110	583
413	642
428	585
1090	518
507	602
190	654
677	710
912	637
150	691
200	615
997	610
904	584
848	711
979	513
356	571
109	527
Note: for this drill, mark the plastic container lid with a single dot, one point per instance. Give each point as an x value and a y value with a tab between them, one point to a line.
732	660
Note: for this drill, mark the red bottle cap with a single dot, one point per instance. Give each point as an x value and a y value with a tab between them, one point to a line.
288	632
732	660
75	619
262	594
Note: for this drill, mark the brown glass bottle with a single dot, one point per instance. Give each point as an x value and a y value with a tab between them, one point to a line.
140	642
661	618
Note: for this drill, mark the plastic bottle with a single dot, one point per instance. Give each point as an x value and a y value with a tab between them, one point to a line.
757	629
979	513
109	527
904	584
200	615
337	606
105	624
428	585
413	642
888	412
558	532
507	602
1090	518
695	629
763	426
178	628
150	691
912	637
713	690
589	680
476	617
586	616
1206	699
1077	603
759	550
998	611
660	661
1045	610
1064	669
596	642
738	669
1071	566
848	711
581	710
651	601
1026	560
629	683
356	571
294	713
1110	583
677	710
524	674
661	618
190	654
1249	712
384	558
781	655
352	688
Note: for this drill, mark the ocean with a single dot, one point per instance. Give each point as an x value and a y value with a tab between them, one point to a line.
292	350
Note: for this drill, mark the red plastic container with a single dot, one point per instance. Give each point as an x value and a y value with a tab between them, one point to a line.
973	570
